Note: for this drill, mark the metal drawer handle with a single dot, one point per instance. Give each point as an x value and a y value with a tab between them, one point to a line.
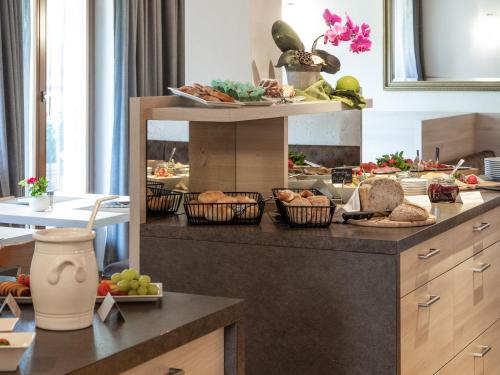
481	227
430	254
175	371
485	349
483	267
432	300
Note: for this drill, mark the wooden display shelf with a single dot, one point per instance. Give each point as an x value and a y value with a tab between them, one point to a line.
230	149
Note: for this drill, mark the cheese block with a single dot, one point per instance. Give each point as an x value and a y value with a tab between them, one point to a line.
380	194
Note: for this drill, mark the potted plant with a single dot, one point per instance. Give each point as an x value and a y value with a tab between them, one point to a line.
37	189
303	68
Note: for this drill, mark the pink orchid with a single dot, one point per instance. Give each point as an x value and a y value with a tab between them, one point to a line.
351	25
32	180
366	30
337	33
330	18
360	44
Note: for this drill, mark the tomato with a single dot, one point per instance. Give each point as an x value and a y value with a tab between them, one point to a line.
103	289
392	162
23	279
472	179
384	164
409	161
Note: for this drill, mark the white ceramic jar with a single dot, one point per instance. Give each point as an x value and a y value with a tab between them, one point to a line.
64	278
40	203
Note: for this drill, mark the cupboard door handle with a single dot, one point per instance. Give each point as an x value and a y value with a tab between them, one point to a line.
483	267
481	227
484	350
430	254
432	300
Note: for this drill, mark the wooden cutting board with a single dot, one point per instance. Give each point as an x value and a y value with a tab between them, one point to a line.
384	222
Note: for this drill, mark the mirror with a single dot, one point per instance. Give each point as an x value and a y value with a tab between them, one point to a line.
442	45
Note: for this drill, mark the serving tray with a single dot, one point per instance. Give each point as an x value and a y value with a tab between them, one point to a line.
384	222
207	103
99	299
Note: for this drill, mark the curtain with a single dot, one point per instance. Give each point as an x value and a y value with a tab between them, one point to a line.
148	58
406	37
11	97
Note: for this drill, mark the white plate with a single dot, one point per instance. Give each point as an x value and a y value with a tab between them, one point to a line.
260	103
8	324
99	299
236	104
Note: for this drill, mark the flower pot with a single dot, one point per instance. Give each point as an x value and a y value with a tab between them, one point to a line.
64	278
303	76
40	203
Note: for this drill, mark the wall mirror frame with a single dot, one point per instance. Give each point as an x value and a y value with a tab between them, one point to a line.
424	85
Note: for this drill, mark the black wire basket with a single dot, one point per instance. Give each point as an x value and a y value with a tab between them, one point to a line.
305	216
160	201
225	213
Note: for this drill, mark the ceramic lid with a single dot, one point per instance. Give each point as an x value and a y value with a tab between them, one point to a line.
64	235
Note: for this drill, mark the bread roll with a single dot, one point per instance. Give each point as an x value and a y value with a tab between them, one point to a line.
160	203
245	199
219	213
227	199
320	214
380	194
409	212
210	196
196	210
248	211
287	196
306	194
298	214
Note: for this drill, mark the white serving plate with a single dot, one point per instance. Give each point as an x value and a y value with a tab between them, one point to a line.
295	99
178	92
8	324
11	355
168	182
99	299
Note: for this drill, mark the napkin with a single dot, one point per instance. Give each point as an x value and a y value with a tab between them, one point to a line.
353	204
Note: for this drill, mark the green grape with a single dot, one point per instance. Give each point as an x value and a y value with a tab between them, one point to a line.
144	280
127	275
142	290
132	292
116	277
134	284
134	272
123	285
152	290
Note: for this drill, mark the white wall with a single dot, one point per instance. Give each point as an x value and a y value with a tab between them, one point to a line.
305	17
465	43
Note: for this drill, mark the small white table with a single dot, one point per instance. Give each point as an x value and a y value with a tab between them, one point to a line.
11	236
71	213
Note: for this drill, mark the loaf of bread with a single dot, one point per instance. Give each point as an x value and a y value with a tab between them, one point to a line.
287	196
380	194
210	196
248	211
196	209
227	199
409	212
244	199
300	211
218	213
320	214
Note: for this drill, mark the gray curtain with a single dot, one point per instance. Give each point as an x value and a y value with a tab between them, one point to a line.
149	57
11	97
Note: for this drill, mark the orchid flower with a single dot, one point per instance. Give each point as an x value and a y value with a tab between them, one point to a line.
337	33
360	44
330	18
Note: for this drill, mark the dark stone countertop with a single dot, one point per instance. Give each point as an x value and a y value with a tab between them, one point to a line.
339	237
150	330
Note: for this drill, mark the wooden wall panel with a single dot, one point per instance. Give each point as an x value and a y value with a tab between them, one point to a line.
488	132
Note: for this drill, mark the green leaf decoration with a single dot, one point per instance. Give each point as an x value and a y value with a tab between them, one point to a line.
288	58
285	37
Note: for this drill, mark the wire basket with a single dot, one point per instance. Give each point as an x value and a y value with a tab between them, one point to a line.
224	213
161	201
305	216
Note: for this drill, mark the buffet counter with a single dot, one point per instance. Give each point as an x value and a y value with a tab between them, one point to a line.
348	299
197	334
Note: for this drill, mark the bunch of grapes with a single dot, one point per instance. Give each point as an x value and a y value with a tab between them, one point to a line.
130	282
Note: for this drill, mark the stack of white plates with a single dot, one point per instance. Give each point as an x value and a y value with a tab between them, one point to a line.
414	186
492	168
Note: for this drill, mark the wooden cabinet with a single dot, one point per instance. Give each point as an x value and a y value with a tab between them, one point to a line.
481	357
204	356
450	295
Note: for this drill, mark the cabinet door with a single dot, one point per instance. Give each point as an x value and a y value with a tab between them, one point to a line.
427	327
477	295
